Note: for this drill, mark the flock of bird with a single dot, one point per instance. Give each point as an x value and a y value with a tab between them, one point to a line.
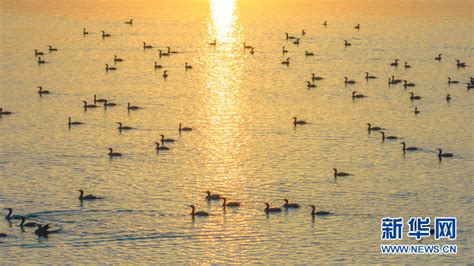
44	230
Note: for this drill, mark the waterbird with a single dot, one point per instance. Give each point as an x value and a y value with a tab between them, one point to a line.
416	111
395	64
336	173
288	37
117	59
367	76
9	216
388	137
229	204
108	104
187	66
214	43
165	74
157	66
107	68
346	43
407	65
38	53
87	197
310	85
470	86
163	54
104	35
318	213
122	127
247	46
441	154
303	32
98	100
314	77
89	105
286	62
132	107
43	231
3	235
145	46
171	52
406	84
184	128
450	81
459	64
272	209
113	154
348	81
306	53
199	213
130	22
297	122
290	205
29	224
51	49
161	148
252	50
41	91
414	97
448	98
283	50
357	27
357	96
438	58
40	61
165	140
395	81
371	128
4	112
297	41
211	196
405	148
73	123
84	32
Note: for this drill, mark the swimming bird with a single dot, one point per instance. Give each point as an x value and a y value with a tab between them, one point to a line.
107	104
297	41
40	61
441	154
116	59
306	53
130	22
416	111
448	98
414	97
84	32
107	68
73	123
171	52
271	210
406	84
122	127
318	213
325	24
367	76
3	235
283	50
113	154
132	107
297	122
357	96
395	81
87	197
229	204
186	66
163	54
29	224
199	213
184	128
212	196
41	91
346	43
89	105
357	27
165	74
287	62
247	46
105	35
98	100
145	46
42	231
290	205
438	58
395	64
252	50
371	128
450	81
470	86
214	43
51	49
336	173
38	53
314	77
459	64
157	66
405	148
303	32
407	65
288	37
388	137
161	148
4	112
310	85
348	81
9	216
164	140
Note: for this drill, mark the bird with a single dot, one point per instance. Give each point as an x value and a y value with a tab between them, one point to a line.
271	210
441	154
107	104
187	66
314	77
348	81
163	54
145	46
9	216
357	96
184	128
459	64
388	137
161	148
107	68
3	235
318	213
394	81
104	35
303	32
306	53
336	173
405	148
87	197
98	100
406	84
325	24
40	61
367	76
84	32
51	49
165	74
395	64
357	27
416	111
29	224
414	97
371	128
450	81
199	213
247	46
407	65
132	107
310	85
283	50
297	41
121	127
212	196
89	105
346	43
229	204
164	140
157	66
286	62
252	50
171	52
4	112
470	86
73	123
297	122
38	53
42	231
41	91
290	205
113	154
214	43
448	98
130	22
288	37
116	59
438	58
